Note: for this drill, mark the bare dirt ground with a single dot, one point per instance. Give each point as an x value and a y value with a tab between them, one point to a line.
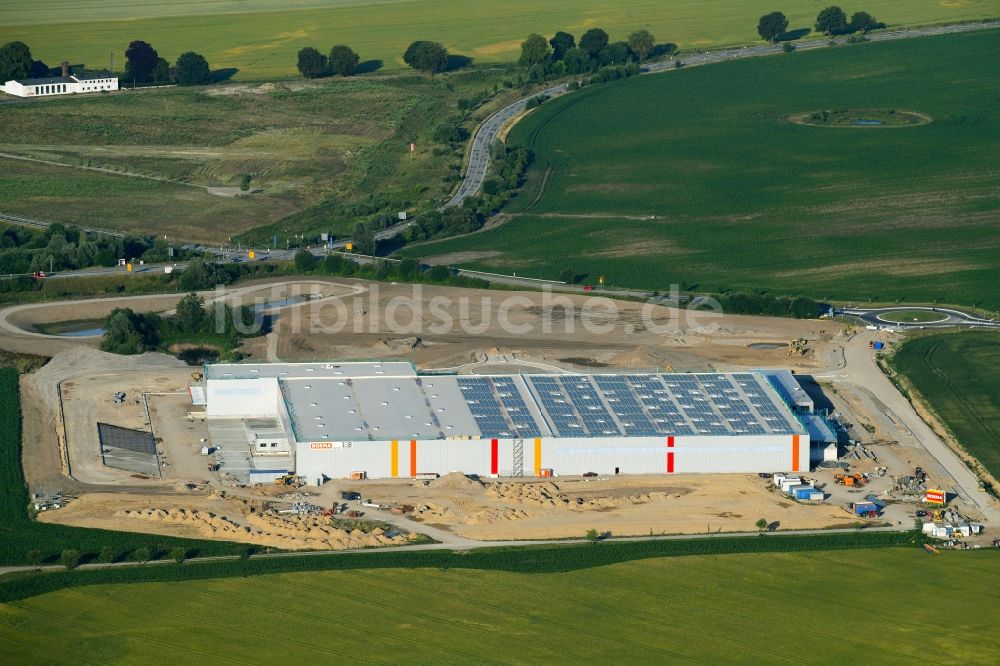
508	509
452	327
376	321
217	515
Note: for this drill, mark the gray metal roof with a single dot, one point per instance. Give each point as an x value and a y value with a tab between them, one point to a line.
307	370
387	400
46	81
93	76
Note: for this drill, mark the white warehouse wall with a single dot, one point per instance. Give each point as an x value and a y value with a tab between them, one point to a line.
246	398
566	456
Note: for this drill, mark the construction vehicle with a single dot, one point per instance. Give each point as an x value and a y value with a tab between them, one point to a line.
797	347
920	474
849	480
286	480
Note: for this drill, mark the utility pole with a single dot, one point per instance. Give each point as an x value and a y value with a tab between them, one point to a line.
112	61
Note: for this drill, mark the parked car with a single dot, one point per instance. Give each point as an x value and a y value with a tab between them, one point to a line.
350	496
590	473
372	504
921	513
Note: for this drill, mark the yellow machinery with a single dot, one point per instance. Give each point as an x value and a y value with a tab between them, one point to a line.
286	480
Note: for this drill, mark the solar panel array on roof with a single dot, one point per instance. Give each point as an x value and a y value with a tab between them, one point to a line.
497	407
658	405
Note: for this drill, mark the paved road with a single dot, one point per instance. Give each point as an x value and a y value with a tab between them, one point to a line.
454	543
860	369
946	318
475	171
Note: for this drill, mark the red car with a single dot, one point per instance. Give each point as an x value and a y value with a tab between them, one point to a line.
589	287
38	275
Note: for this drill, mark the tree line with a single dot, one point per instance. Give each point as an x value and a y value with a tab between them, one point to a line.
830	21
61	247
142	65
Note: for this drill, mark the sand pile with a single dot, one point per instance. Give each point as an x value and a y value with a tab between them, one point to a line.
455	481
549	494
270	529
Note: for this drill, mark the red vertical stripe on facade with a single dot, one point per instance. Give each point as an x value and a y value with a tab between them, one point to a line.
795	453
670	455
413	457
494	457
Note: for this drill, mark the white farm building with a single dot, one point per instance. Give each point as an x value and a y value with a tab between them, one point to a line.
330	420
67	84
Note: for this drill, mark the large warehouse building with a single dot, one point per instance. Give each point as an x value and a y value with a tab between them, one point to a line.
330	420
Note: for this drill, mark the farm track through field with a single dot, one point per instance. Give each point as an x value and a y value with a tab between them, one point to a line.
105	170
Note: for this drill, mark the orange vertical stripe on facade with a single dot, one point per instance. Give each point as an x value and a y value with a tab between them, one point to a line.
413	458
795	453
538	456
394	459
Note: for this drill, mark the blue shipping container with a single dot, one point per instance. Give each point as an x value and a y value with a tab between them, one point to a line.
804	493
862	508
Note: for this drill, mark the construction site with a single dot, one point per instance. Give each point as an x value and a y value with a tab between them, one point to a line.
551	435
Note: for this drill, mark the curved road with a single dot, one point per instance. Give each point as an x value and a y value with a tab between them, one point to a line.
947	318
475	171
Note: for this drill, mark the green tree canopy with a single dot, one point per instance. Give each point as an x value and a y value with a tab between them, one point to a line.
831	20
642	43
305	261
191	313
617	53
312	63
771	26
364	238
15	61
577	61
561	42
140	61
426	56
162	73
343	61
594	41
863	22
193	70
535	50
122	334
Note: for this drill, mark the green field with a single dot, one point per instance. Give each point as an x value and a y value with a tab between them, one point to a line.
885	606
913	316
958	376
697	177
334	143
261	37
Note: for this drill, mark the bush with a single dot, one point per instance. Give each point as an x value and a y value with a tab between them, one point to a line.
70	558
787	47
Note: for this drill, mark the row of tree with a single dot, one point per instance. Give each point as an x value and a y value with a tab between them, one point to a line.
144	65
59	247
594	46
830	21
341	61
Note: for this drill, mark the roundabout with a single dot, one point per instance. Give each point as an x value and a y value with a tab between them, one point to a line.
903	317
861	118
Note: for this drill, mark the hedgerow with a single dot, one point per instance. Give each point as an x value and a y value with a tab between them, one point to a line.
537	559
